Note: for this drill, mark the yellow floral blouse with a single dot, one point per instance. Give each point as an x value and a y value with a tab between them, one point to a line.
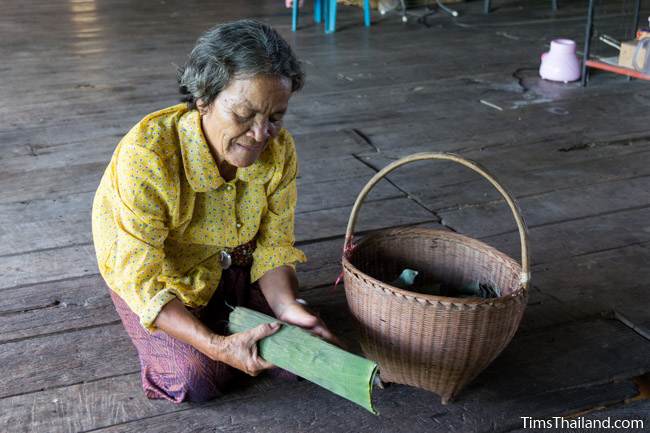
162	213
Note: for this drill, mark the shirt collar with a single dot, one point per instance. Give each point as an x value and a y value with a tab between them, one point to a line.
201	169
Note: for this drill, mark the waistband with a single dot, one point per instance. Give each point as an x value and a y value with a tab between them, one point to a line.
241	255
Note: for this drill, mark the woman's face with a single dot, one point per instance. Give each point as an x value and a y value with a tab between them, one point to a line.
242	118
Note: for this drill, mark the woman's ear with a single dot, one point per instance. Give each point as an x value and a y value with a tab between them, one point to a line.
202	107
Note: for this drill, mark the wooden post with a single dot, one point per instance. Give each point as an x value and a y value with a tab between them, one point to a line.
588	30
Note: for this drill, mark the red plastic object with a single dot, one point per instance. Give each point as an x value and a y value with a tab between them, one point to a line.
617	69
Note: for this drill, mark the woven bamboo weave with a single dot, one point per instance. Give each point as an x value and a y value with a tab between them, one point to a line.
433	342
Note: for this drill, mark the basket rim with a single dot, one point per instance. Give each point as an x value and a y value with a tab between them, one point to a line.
348	267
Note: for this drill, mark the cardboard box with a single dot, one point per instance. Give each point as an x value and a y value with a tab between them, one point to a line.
626	55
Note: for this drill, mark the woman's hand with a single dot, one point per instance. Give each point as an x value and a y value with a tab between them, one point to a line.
279	288
296	314
240	350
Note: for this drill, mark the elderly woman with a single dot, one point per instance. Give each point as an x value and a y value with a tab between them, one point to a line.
196	211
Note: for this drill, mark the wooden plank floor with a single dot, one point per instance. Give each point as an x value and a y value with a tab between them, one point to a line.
77	74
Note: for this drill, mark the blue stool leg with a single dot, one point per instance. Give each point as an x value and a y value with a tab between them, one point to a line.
366	12
331	22
294	18
318	11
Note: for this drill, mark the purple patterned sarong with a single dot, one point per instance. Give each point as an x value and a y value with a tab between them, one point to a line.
178	372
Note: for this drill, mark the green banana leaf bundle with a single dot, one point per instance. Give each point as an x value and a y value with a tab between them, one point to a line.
296	350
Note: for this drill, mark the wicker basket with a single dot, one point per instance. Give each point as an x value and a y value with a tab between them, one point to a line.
433	342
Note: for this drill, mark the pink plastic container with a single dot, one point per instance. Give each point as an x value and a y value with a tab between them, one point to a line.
560	63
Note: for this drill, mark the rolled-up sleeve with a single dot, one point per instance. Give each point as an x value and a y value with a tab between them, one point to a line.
275	238
145	191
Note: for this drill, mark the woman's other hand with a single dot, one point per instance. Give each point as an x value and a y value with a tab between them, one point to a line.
279	287
296	314
240	350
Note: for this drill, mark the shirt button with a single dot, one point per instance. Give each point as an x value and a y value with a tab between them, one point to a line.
229	187
238	225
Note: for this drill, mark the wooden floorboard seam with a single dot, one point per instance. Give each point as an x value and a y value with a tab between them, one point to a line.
377	200
602	17
60	280
574	219
643	244
43	250
65	331
584	144
550	191
362	138
621	317
53	304
95	379
411	197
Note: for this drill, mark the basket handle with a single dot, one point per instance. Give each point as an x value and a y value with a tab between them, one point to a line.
521	225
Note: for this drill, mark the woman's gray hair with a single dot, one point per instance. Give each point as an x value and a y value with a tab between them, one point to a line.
237	49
